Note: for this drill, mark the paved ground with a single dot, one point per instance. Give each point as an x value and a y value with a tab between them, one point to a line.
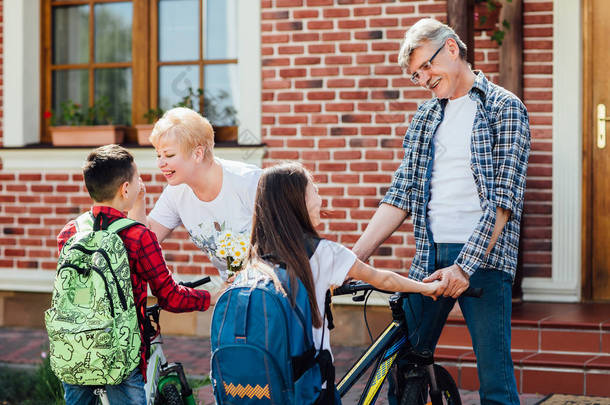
23	347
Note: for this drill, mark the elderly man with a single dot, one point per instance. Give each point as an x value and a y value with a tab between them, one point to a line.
462	179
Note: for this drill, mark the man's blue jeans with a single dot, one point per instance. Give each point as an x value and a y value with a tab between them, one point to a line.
129	392
488	321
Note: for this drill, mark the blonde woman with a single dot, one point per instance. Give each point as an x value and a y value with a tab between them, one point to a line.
210	196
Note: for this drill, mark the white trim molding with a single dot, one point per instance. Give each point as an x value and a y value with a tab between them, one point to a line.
249	67
41	281
22	280
565	283
21	77
46	160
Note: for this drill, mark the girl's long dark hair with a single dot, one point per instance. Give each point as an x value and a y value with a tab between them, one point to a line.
280	225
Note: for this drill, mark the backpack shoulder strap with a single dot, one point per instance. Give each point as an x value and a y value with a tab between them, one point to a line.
311	244
121	224
84	222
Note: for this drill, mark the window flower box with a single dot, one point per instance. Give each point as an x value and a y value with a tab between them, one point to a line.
225	133
87	135
144	131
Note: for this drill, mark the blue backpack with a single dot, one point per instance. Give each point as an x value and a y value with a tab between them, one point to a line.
262	346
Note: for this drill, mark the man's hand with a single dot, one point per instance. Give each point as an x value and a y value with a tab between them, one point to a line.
456	281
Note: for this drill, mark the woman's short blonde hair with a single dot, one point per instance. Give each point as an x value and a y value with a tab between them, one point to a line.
188	127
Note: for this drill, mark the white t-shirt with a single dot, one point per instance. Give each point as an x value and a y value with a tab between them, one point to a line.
454	208
208	221
329	264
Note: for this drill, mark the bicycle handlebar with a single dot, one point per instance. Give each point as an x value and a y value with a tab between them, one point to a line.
354	287
196	283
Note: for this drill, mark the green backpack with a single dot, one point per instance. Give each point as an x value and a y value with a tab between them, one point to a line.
92	323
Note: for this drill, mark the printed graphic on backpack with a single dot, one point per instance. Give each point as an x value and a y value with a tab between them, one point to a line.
92	323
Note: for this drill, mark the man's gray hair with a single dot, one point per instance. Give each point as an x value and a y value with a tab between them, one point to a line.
427	30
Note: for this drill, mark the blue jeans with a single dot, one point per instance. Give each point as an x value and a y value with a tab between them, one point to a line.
488	321
129	392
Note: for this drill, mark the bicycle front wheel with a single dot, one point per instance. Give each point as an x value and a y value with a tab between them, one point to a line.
417	387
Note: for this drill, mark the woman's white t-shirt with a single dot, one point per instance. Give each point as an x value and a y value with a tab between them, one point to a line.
329	264
208	221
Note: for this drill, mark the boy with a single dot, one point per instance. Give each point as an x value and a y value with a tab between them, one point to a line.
112	180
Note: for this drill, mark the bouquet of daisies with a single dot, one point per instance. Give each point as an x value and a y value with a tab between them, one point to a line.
232	247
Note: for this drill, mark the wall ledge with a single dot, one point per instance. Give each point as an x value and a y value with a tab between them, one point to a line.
72	159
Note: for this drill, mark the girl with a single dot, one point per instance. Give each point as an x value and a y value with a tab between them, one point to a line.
286	213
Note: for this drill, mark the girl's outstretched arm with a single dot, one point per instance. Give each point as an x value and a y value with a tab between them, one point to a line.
390	281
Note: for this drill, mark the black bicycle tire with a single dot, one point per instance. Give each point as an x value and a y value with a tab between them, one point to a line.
416	388
171	395
415	391
447	384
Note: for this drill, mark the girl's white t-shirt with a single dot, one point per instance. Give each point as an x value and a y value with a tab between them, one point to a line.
329	264
208	221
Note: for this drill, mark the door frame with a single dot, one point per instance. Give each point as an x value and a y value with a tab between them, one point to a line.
588	128
587	152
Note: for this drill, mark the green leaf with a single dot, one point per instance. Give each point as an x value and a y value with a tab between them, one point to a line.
506	24
498	36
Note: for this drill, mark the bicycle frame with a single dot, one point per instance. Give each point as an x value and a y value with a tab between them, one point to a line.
153	371
384	350
160	373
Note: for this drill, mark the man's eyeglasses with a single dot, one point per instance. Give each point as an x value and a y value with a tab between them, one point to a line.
425	66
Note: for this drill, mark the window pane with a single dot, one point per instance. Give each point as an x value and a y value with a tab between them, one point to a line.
113	23
70	85
174	83
70	35
221	29
113	92
221	94
178	30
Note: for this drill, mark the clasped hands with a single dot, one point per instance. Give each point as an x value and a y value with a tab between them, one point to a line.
453	281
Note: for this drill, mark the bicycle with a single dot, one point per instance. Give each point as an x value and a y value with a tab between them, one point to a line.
166	383
418	377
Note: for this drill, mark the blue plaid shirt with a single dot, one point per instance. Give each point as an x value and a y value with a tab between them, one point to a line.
499	148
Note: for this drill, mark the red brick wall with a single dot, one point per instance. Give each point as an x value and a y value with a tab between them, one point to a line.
538	95
35	207
334	98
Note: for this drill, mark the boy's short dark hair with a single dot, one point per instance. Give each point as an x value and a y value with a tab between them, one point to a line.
105	169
